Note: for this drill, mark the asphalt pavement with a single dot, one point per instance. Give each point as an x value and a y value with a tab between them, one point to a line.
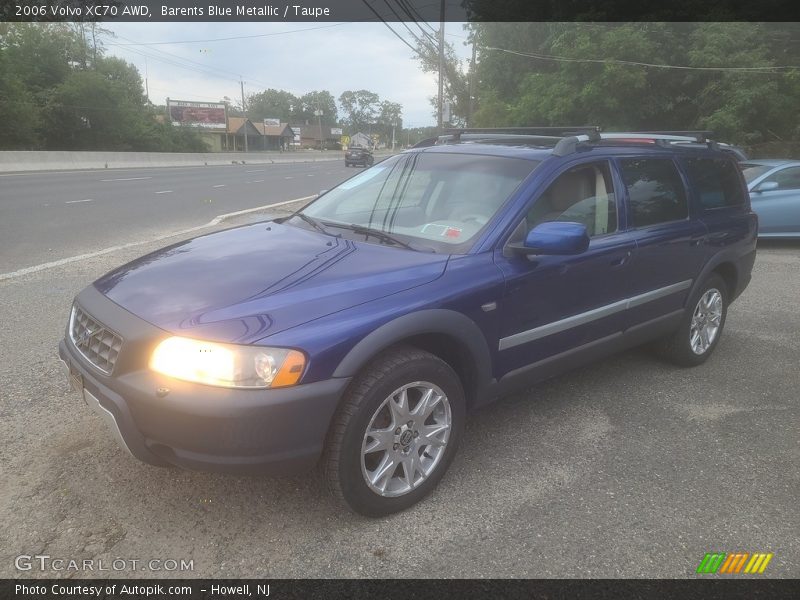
629	467
49	216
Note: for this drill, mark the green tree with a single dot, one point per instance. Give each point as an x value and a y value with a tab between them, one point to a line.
312	101
455	83
361	108
592	73
272	104
21	114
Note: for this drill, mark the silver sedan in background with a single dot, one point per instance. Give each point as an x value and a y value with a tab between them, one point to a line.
774	187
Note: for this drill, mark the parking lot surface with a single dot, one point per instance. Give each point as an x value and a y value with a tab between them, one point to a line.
629	467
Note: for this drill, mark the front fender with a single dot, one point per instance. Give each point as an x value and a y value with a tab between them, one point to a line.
442	321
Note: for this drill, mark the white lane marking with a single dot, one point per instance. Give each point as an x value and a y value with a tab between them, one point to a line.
256	171
255	181
218	185
310	175
288	178
163	192
215	221
79	201
127	179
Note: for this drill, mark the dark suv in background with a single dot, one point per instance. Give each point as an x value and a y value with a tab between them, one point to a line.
359	331
358	156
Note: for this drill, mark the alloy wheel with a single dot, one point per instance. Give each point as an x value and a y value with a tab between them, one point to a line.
406	439
706	321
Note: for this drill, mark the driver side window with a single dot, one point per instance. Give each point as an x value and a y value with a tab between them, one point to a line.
583	194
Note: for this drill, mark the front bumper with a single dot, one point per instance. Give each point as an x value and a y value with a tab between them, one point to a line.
164	421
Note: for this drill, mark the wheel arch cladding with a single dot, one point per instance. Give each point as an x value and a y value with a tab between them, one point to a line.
724	265
730	275
452	336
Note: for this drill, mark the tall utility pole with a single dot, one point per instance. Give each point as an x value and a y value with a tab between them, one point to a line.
441	67
318	114
471	103
244	112
146	86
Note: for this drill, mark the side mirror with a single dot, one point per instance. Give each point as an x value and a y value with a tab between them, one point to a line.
555	238
766	186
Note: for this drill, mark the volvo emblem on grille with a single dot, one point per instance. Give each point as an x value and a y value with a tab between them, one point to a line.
83	339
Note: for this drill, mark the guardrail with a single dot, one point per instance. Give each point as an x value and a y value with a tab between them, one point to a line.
17	161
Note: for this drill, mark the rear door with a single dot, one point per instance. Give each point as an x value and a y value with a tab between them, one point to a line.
669	238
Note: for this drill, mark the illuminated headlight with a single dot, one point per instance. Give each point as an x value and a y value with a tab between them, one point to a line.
227	365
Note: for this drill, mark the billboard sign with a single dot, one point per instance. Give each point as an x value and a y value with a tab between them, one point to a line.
336	131
205	115
272	122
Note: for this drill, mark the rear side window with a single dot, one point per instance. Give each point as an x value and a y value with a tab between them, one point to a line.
715	181
655	191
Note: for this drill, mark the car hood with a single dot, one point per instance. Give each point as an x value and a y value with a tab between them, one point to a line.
243	284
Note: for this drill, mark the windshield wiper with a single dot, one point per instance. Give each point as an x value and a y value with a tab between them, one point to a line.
313	222
376	233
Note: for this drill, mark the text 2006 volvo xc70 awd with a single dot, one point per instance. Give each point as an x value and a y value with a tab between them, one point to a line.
358	332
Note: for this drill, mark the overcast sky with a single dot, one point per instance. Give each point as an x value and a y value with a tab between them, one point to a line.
333	57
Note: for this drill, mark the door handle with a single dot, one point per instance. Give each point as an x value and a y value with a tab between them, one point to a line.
621	260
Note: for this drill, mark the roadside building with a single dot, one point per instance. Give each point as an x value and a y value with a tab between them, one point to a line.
314	136
238	129
360	139
275	137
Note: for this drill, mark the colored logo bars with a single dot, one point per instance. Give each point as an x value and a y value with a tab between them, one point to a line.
722	562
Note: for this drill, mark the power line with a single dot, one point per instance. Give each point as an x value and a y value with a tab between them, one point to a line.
226	39
640	64
198	67
399	37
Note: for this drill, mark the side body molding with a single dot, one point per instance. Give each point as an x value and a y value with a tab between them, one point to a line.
437	320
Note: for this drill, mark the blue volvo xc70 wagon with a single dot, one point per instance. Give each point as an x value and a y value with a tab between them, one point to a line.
358	332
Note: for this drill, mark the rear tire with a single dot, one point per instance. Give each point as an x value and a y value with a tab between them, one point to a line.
413	404
701	327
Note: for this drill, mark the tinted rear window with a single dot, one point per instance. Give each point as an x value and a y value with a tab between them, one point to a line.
715	181
655	190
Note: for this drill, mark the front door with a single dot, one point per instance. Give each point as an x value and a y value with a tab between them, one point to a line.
556	304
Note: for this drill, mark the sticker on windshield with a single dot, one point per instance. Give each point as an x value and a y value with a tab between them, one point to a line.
362	178
442	230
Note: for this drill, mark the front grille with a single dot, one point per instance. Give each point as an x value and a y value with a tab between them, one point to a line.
98	344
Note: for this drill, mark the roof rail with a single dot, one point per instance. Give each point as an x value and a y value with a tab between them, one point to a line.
699	136
454	134
426	143
567	139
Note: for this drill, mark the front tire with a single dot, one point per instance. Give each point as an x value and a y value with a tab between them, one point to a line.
394	435
701	327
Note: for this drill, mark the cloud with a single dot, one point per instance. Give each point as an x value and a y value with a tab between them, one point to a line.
347	56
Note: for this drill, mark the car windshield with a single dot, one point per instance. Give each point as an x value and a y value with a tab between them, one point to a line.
751	171
436	201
